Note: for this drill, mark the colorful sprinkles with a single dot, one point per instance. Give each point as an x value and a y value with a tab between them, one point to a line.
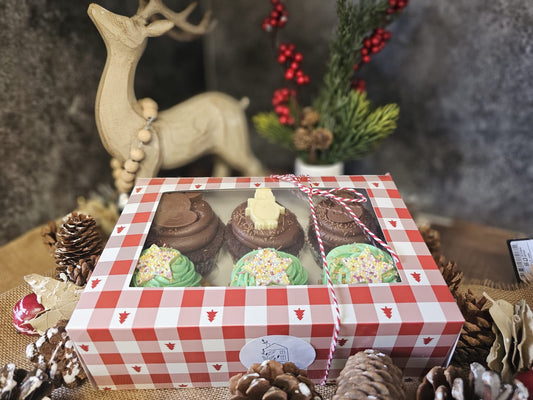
268	268
154	262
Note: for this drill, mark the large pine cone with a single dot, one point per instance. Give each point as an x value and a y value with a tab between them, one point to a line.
451	275
78	243
54	353
48	235
454	384
370	373
17	383
272	380
476	335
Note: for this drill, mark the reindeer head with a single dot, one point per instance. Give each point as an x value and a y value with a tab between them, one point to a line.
152	19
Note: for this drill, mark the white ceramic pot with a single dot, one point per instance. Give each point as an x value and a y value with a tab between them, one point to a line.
302	168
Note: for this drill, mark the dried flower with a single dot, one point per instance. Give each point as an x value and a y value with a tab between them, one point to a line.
302	139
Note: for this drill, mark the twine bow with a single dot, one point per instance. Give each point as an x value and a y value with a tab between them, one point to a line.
303	182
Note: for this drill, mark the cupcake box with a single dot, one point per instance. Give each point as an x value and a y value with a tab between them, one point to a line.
134	338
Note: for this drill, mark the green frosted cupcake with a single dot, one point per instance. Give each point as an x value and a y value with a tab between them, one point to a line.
268	267
359	263
164	266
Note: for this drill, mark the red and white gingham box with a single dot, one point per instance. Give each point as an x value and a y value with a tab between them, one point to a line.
133	338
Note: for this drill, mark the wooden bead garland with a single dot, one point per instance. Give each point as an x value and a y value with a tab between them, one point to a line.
124	175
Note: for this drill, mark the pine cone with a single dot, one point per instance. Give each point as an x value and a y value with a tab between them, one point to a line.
54	353
272	380
432	239
78	240
17	383
451	383
451	275
48	235
370	373
321	138
310	117
79	273
476	335
302	139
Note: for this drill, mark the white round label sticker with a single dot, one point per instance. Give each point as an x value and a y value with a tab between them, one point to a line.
280	348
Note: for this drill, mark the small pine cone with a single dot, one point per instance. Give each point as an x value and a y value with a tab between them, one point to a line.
310	117
54	353
77	239
79	273
271	380
48	235
477	336
321	138
302	139
370	373
451	275
454	384
432	239
17	383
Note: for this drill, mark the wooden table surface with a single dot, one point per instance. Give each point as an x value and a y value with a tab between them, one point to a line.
479	251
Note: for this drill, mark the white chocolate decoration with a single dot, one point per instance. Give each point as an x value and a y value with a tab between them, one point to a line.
263	209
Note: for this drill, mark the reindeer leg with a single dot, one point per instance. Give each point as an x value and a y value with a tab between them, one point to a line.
220	167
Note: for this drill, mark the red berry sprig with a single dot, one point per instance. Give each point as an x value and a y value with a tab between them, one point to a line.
373	44
280	101
278	17
396	6
359	85
291	59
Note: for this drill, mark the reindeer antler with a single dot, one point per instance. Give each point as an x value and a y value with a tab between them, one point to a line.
150	9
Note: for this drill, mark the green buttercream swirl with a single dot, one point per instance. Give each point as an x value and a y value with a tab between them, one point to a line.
182	269
295	272
359	263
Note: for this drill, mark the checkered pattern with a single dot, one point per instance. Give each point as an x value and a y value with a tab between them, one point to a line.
133	338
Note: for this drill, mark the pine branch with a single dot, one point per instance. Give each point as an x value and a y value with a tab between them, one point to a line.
267	125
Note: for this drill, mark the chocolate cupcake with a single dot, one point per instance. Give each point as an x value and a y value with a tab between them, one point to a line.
186	222
261	222
268	267
337	226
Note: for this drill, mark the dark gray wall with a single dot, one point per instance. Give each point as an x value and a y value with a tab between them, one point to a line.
461	72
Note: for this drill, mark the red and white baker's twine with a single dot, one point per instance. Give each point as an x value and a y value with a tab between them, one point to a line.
300	182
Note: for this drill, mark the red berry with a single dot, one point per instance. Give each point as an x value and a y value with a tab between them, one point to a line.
356	67
285	92
282	22
367	43
300	80
376	49
364	51
282	59
387	35
290	120
283	120
298	57
295	65
274	2
401	4
365	59
282	47
392	2
288	53
279	7
289	74
273	22
274	14
291	46
390	10
380	31
376	40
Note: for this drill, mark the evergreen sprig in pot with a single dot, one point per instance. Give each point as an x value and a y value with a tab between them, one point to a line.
342	124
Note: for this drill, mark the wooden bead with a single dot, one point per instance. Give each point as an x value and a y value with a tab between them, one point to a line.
116	173
149	107
131	166
137	154
127	176
115	163
144	135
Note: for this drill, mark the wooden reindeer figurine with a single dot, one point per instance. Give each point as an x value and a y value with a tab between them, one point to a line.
143	141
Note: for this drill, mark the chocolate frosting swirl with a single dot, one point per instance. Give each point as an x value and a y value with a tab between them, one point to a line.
284	236
184	222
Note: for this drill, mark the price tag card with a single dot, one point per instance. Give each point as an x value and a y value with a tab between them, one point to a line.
522	255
